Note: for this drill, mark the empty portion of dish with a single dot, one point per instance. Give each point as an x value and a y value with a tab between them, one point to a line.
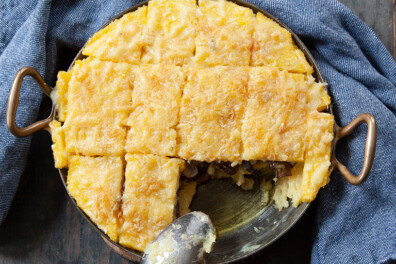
199	92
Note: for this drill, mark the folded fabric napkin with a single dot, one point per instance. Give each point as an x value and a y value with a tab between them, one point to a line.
354	224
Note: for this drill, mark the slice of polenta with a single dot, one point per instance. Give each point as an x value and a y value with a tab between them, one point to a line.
155	110
211	114
120	41
275	117
319	138
224	34
170	34
149	198
95	184
100	89
273	46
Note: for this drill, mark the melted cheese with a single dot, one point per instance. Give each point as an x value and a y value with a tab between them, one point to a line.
273	46
120	41
224	34
211	114
149	198
95	184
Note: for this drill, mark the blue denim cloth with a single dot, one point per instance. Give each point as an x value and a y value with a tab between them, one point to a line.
354	224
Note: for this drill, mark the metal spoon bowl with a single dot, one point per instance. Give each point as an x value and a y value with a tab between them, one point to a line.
186	240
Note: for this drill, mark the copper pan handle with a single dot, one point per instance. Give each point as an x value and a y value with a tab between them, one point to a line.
13	101
369	150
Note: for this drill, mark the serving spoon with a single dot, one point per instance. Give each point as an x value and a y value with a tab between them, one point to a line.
186	240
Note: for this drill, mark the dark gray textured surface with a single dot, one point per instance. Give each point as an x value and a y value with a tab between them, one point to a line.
377	14
44	227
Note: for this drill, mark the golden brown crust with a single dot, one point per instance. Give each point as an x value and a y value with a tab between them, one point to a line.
149	198
120	41
273	46
275	116
101	90
95	184
224	34
170	32
155	110
211	114
317	154
90	136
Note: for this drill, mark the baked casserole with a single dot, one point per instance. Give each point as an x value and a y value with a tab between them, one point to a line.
176	93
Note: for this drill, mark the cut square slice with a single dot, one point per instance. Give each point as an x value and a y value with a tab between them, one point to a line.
100	89
275	119
120	41
224	34
91	136
170	33
155	110
273	46
211	114
319	138
95	184
149	198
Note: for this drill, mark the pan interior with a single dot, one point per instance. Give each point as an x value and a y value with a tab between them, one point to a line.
244	221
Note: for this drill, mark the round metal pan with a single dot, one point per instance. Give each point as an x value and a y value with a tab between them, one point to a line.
245	224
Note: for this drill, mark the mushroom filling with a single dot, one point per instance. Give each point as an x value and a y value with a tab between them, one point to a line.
282	168
203	171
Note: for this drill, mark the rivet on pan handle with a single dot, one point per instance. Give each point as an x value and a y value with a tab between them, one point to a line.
369	150
13	101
